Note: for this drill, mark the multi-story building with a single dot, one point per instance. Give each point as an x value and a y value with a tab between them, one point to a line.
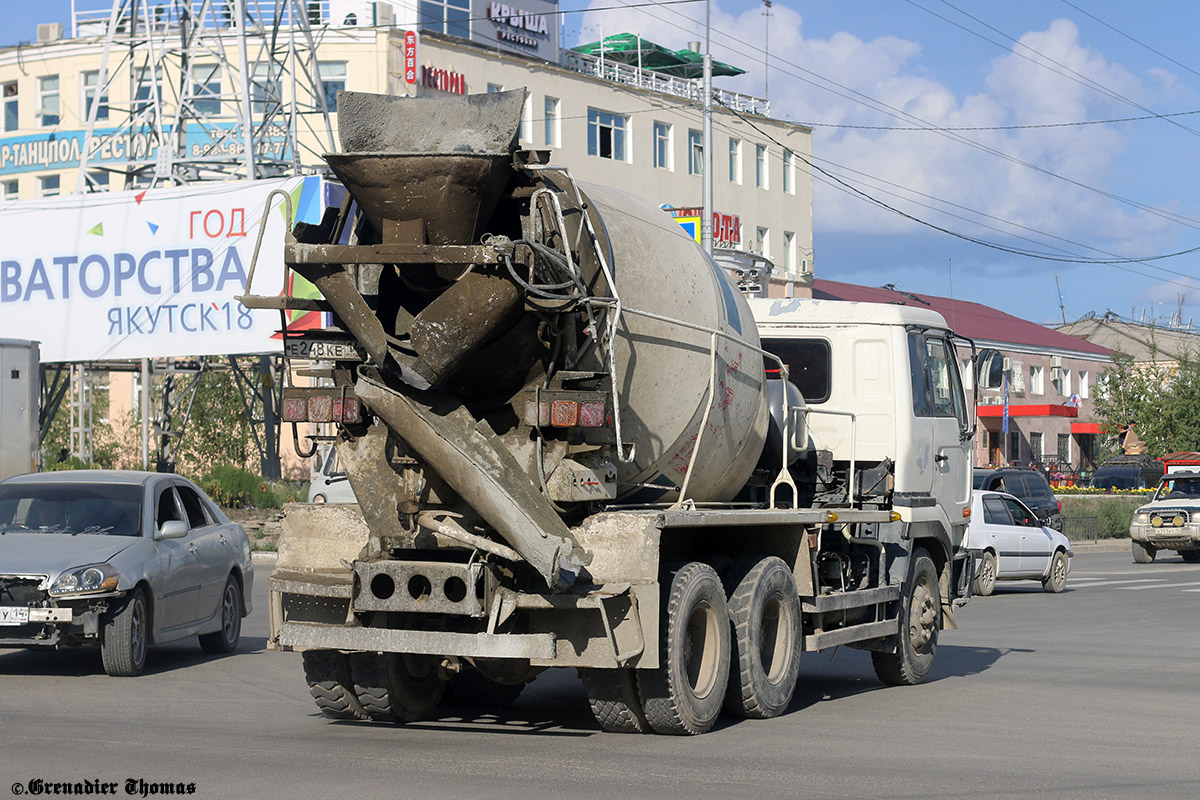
610	122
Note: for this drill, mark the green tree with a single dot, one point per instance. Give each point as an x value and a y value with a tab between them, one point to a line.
1161	399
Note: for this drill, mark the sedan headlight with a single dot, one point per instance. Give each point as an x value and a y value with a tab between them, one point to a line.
86	580
1141	518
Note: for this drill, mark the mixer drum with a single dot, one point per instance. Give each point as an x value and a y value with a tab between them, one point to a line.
664	370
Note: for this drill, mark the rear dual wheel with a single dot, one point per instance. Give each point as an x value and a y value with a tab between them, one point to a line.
330	684
396	687
764	615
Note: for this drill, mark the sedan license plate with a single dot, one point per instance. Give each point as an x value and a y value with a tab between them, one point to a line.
324	349
14	615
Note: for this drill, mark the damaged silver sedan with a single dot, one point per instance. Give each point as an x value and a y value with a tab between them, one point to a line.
121	560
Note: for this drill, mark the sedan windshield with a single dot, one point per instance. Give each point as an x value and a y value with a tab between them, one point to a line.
96	508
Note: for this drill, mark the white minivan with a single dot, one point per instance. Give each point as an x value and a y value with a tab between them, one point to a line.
328	483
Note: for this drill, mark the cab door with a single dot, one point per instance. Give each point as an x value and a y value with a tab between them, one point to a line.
1001	534
944	407
177	590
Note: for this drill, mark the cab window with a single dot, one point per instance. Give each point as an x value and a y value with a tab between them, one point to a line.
1020	514
194	507
808	362
994	512
167	509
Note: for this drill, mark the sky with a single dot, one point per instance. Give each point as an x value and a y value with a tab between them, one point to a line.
995	152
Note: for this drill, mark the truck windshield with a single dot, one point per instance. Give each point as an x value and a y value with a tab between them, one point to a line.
109	509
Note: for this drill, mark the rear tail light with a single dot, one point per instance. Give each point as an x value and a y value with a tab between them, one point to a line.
566	413
321	405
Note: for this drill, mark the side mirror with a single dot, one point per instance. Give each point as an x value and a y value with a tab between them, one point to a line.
172	529
989	372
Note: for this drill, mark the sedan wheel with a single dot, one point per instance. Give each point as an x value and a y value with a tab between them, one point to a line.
124	639
1056	581
226	639
985	575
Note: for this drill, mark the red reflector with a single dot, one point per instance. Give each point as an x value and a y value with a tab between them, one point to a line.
591	414
346	410
564	413
320	408
295	409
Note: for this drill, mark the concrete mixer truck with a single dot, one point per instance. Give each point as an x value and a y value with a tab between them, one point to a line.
574	444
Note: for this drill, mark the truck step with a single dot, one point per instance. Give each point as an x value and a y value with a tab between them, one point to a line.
281	302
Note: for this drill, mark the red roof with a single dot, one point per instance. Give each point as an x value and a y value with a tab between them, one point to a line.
973	320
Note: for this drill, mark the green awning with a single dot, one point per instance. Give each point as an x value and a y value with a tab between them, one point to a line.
629	48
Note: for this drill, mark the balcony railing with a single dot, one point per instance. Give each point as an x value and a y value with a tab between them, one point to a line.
689	89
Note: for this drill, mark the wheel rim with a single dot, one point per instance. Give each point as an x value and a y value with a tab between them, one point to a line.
1060	569
137	632
922	617
229	613
773	641
987	574
703	634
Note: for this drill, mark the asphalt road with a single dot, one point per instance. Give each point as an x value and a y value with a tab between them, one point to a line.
1089	694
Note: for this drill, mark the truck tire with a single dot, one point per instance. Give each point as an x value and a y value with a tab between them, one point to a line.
1190	556
613	696
124	638
919	620
1056	581
985	575
330	684
1143	553
396	687
766	633
473	689
685	694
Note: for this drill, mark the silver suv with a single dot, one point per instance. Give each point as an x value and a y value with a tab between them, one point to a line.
1170	521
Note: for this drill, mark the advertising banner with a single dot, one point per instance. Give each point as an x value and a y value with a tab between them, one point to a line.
152	273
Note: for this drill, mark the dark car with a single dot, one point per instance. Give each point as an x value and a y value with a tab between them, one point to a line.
1127	472
1028	485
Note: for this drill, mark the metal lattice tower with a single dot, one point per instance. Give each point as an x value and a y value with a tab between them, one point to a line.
219	89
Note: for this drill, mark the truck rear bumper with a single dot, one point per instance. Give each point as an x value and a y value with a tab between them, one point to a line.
306	636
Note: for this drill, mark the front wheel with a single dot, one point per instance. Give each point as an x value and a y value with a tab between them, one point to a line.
919	621
1190	556
226	639
1143	553
125	636
985	575
684	695
1056	581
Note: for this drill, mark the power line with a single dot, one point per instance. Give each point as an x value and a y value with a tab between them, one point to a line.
999	127
1130	38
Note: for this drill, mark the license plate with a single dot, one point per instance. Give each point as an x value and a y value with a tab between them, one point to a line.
324	349
14	615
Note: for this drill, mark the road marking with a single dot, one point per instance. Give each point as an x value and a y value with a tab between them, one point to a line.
1164	586
1103	582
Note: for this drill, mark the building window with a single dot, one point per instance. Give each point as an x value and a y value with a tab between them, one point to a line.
11	118
1083	384
1035	448
141	92
763	240
789	172
1063	383
735	161
206	88
47	107
264	91
662	145
606	134
49	185
10	189
333	80
551	124
1014	447
445	16
1037	380
97	181
1064	450
695	153
789	251
760	166
90	78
